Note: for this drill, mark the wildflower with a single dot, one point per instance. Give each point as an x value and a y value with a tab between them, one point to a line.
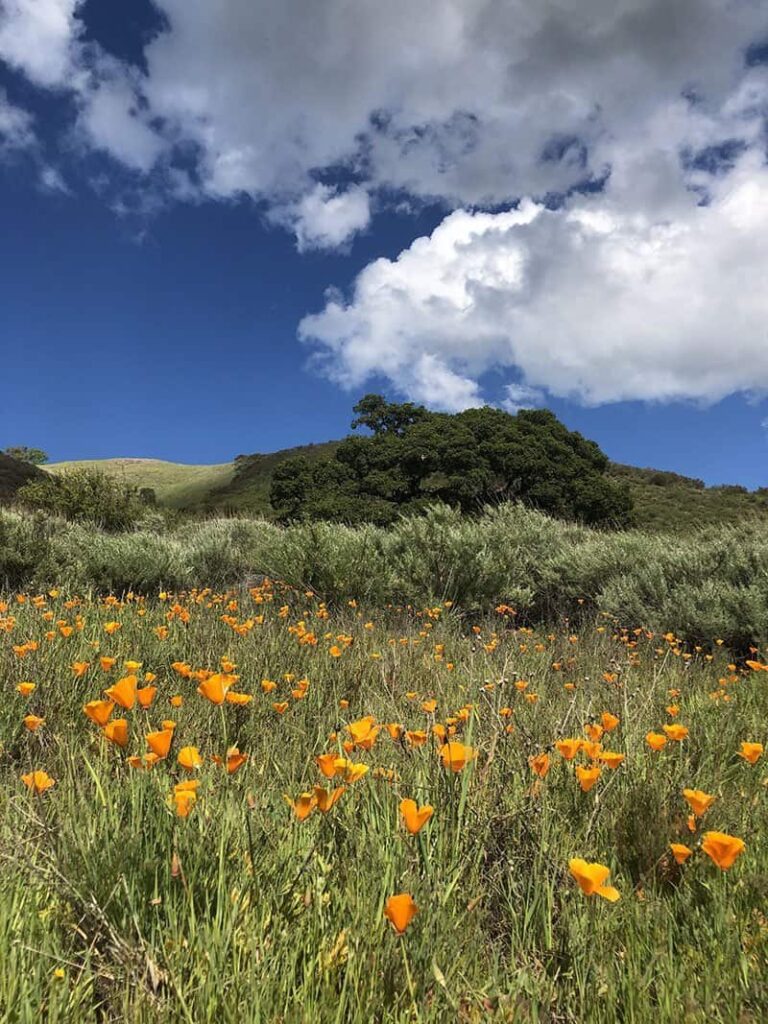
353	772
146	695
189	758
185	800
680	852
722	848
239	699
675	732
539	764
280	707
416	737
80	668
160	742
364	732
325	799
415	817
595	732
303	805
33	722
235	760
107	663
609	721
215	688
656	740
26	689
698	801
327	764
38	781
568	748
751	752
587	777
591	879
456	755
611	759
99	711
268	685
110	628
400	910
429	706
116	732
123	692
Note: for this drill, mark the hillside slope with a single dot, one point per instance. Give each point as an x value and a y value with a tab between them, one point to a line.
14	474
175	484
663	501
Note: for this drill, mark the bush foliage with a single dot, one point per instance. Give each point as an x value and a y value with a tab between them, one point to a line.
87	495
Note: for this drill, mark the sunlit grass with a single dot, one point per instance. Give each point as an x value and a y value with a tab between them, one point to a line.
115	906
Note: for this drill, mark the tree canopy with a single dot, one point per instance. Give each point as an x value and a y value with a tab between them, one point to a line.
34	456
413	458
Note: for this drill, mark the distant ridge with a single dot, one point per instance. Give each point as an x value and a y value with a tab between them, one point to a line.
663	500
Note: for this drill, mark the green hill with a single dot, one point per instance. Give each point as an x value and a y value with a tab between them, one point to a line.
175	484
663	501
13	475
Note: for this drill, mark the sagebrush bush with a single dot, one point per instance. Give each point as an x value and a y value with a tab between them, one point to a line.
710	584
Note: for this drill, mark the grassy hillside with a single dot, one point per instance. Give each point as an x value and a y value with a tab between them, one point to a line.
664	501
175	484
13	475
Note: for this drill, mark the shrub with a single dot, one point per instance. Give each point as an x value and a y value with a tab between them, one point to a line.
85	495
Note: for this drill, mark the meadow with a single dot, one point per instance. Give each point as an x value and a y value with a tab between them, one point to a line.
250	804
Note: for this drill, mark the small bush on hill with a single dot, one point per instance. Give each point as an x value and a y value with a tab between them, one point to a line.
85	495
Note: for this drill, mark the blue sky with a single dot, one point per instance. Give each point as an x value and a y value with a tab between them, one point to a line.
171	226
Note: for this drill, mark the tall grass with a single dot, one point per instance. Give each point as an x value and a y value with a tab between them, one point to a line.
711	583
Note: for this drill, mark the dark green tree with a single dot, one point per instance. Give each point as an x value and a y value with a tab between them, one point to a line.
414	457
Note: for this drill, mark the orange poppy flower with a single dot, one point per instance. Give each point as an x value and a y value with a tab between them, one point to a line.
215	688
587	777
751	752
656	740
189	758
281	707
430	706
303	805
395	730
595	732
456	755
675	732
415	817
235	760
327	764
592	749
160	742
568	748
239	699
698	801
38	781
440	732
416	737
176	701
80	668
539	764
353	772
185	800
400	910
611	759
364	732
680	852
26	689
722	848
116	732
123	692
608	721
146	695
268	685
591	879
325	798
99	711
111	627
107	663
33	722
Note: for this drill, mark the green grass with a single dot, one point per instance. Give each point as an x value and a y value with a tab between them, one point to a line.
113	908
175	484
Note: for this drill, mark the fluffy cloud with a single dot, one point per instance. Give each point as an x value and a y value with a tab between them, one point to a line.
38	36
595	301
325	217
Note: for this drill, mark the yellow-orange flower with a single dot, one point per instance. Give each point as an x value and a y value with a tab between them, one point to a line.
235	760
123	692
608	721
325	798
698	801
587	777
303	805
33	722
675	732
99	711
568	748
26	689
680	852
116	732
38	781
415	817
751	752
539	764
160	742
591	879
146	695
400	910
656	740
189	758
456	756
722	848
